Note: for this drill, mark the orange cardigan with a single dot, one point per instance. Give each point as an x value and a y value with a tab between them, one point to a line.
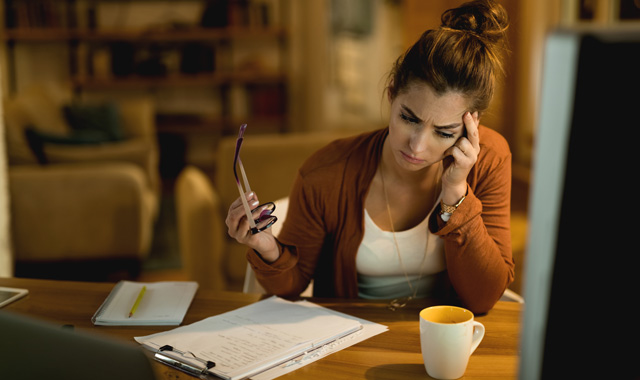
325	224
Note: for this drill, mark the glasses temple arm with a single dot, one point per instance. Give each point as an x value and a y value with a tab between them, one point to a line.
243	195
244	176
238	162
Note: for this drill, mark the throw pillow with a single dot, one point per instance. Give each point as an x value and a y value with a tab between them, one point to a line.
97	120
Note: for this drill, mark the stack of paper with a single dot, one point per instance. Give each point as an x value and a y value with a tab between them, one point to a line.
270	338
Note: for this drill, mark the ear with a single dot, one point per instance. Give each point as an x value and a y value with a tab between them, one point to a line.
388	90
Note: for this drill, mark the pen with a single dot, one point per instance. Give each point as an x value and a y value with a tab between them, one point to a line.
135	305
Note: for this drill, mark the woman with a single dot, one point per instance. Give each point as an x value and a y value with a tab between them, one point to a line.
420	208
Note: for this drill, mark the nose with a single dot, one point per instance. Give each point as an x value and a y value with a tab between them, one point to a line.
418	141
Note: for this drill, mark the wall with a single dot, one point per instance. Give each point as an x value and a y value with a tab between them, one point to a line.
364	42
338	74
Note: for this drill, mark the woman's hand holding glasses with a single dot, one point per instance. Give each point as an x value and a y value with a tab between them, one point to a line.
247	221
239	228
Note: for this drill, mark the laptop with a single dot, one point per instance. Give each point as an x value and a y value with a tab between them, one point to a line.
34	349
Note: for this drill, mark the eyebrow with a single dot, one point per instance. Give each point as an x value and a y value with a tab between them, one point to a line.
450	126
410	112
413	115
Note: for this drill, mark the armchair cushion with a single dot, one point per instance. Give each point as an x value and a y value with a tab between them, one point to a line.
140	152
88	211
57	119
90	124
101	119
61	138
36	107
200	229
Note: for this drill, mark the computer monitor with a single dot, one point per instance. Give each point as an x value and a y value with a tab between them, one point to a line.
579	319
34	349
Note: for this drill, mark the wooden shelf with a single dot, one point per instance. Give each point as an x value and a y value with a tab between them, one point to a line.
36	35
219	125
243	63
163	35
218	77
179	80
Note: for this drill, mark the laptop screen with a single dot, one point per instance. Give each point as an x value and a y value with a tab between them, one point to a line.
34	349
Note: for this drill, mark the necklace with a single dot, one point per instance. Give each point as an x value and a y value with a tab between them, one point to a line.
402	302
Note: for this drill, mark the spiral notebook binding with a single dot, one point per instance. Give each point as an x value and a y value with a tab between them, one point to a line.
107	302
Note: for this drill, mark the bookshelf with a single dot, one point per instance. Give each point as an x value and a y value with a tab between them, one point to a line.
234	50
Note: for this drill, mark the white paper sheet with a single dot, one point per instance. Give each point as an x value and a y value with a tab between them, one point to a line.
369	329
257	337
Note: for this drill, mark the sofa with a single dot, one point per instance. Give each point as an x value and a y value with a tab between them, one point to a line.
74	200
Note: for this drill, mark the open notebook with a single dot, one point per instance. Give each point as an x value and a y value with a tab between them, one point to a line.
162	303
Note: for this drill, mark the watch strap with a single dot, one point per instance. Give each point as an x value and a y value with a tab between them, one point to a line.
445	208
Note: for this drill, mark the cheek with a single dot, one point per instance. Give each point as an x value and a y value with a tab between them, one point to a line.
444	144
437	146
398	136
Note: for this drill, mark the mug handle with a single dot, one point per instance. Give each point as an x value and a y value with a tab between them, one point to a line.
478	334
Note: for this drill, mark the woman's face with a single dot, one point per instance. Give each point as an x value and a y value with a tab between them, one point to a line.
423	125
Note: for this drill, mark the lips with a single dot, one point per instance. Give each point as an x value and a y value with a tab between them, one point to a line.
411	159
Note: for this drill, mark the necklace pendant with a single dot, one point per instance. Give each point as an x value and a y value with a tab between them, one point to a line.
399	303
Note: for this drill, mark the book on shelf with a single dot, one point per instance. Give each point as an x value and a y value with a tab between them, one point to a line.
37	14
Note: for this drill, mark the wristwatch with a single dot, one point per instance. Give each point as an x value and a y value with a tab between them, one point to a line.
444	208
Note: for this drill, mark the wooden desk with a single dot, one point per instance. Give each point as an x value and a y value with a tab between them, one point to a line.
394	354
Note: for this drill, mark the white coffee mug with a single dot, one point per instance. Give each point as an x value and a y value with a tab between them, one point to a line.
448	336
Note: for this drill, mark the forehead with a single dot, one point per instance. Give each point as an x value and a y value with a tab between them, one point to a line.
428	105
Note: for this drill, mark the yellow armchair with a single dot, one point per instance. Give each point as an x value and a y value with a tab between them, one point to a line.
88	202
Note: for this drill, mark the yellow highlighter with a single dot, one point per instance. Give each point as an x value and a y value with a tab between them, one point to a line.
135	305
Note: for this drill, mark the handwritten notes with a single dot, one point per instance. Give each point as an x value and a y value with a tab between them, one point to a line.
255	338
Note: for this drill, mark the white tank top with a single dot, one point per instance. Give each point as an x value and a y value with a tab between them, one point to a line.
380	274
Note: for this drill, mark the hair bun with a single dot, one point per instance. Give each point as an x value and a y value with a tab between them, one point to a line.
484	18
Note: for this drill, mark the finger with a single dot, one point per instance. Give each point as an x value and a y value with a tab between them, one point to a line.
464	146
238	227
252	201
448	159
235	203
471	122
237	211
460	157
234	217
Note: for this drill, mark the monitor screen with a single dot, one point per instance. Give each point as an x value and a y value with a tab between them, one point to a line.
578	275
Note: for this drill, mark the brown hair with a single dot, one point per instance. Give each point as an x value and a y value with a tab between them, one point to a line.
462	55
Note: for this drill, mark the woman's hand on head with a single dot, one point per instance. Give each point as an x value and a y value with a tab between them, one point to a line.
238	228
459	159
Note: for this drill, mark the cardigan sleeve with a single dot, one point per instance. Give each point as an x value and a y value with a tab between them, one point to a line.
478	238
300	241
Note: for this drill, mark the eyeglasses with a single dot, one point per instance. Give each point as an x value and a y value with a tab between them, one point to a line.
265	218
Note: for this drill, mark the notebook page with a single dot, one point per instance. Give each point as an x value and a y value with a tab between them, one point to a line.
162	302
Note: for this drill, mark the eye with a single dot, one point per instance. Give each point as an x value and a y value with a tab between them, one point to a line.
445	135
409	119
